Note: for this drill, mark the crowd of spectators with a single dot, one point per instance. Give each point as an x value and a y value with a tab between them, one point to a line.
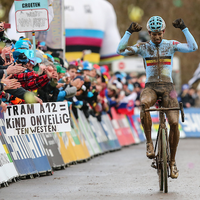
42	76
189	96
48	78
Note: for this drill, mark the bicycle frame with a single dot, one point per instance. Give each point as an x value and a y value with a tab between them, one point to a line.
162	126
162	159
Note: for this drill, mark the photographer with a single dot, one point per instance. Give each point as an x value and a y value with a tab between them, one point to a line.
7	65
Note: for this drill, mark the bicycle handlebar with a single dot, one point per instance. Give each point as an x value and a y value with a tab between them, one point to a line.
161	109
167	109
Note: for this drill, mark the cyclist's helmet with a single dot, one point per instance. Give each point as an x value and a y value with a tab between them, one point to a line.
156	24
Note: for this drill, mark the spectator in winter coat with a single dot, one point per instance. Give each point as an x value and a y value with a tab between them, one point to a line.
31	80
185	97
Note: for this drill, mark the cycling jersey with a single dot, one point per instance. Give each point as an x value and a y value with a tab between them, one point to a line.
158	59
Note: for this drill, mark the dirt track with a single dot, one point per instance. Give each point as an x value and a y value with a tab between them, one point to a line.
124	174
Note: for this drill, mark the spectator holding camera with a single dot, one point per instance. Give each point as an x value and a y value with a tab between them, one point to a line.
30	80
7	65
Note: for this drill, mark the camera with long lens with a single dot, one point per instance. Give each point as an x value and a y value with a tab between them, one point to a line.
22	59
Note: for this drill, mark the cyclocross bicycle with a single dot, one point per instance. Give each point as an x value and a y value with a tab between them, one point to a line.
162	159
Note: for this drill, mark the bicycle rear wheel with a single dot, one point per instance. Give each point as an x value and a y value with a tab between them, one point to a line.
164	163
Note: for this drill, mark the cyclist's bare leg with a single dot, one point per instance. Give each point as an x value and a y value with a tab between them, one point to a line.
148	98
173	140
173	120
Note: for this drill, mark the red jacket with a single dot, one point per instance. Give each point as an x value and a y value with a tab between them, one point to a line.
31	80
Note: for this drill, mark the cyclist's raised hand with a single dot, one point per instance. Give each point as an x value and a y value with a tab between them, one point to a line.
134	27
179	23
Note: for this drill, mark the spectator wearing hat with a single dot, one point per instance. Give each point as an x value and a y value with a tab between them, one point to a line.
87	67
57	58
89	71
69	75
110	92
98	70
62	79
7	59
40	54
76	93
60	70
49	57
39	67
21	44
126	88
9	67
88	92
27	40
31	80
118	84
41	46
197	99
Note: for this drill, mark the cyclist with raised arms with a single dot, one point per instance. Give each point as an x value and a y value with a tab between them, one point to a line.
158	60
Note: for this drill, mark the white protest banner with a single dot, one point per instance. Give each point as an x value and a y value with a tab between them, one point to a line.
31	16
36	118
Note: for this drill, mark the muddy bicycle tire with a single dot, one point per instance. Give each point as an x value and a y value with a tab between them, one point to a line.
164	163
159	165
160	176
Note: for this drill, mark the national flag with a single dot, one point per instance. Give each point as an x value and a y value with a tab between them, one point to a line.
126	108
164	60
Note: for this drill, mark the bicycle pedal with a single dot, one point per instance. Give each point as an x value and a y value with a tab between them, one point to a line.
153	165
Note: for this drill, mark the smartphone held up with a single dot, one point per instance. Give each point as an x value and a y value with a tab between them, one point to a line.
8	57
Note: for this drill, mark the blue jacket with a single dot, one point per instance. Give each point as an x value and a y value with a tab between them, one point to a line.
158	60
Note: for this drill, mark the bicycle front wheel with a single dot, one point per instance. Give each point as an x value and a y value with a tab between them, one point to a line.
164	163
159	161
